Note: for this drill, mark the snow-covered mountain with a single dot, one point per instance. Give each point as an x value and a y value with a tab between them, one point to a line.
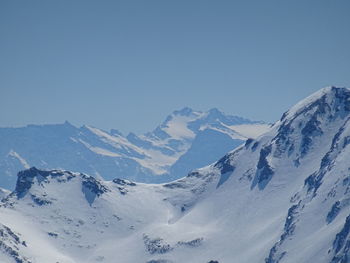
201	137
283	197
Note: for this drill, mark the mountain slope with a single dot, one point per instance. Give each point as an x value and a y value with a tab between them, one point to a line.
283	197
146	158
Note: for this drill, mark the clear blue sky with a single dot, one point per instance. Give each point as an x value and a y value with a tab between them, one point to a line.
127	64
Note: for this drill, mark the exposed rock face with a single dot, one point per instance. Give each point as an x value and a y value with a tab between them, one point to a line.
282	197
10	243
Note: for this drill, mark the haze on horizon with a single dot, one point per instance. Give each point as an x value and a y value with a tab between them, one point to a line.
128	64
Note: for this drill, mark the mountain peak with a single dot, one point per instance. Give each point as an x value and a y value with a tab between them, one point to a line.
291	184
328	97
116	132
67	123
302	127
90	187
186	111
215	110
25	179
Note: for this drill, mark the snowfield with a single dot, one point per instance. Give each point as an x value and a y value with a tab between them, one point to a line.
281	197
186	140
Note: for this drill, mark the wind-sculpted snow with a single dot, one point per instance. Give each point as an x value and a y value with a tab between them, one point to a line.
281	198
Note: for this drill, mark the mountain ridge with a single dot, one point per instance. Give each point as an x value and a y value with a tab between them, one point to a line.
280	198
143	158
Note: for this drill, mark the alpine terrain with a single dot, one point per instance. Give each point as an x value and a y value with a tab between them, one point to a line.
187	139
280	198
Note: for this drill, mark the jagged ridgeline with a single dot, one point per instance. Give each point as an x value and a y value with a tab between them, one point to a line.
186	140
282	197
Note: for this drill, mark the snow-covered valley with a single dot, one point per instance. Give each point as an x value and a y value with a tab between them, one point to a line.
281	197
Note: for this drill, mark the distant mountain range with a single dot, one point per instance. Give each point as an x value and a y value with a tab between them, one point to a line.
186	140
281	198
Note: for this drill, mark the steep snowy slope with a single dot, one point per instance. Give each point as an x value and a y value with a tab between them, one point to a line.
147	158
3	193
60	216
283	197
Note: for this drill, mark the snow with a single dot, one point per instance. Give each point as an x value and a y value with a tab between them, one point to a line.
157	162
311	98
17	156
4	192
177	127
201	217
251	130
146	158
266	201
117	141
99	150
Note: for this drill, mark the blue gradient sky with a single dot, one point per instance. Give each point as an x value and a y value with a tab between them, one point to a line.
127	64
